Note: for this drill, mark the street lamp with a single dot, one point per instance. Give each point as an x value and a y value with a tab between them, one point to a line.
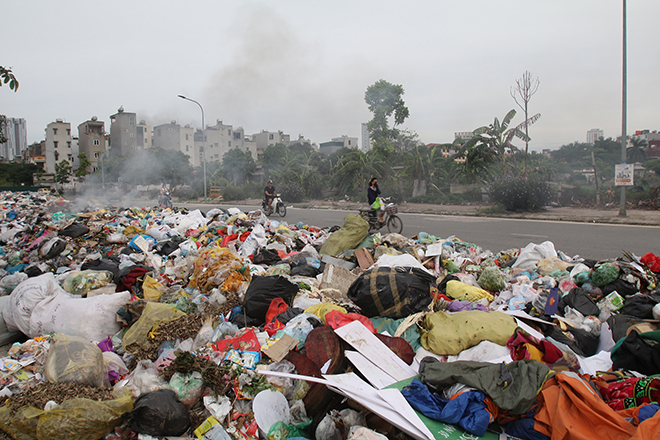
203	140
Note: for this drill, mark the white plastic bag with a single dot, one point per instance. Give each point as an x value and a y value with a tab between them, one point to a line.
532	253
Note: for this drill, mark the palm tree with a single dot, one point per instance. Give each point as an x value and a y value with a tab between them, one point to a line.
636	152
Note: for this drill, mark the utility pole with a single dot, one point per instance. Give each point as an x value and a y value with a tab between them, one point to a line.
622	202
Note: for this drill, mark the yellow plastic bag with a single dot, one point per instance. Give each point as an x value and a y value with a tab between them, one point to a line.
459	290
74	359
152	289
153	314
323	309
74	419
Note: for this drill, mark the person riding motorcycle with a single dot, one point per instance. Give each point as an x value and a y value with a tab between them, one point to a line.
269	194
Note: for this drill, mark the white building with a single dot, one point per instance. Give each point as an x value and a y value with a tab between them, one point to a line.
15	130
172	136
593	135
58	144
265	139
366	138
464	135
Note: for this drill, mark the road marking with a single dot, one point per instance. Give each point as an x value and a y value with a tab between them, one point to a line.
529	236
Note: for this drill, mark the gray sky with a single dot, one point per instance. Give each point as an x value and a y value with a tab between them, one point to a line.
303	66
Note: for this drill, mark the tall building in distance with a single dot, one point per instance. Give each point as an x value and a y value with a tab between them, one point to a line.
173	136
91	141
365	143
123	132
58	144
593	135
15	130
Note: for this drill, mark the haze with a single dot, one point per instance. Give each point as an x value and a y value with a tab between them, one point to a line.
303	67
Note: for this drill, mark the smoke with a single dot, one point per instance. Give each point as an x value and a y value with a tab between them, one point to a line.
275	75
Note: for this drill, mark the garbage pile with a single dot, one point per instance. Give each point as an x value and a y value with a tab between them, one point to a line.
147	322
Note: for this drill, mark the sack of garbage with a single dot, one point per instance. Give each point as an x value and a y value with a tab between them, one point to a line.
39	306
377	295
73	419
74	359
158	413
262	290
355	230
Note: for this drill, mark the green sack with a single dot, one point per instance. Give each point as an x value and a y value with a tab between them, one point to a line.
355	230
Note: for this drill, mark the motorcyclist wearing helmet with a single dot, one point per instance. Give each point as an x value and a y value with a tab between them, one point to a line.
269	194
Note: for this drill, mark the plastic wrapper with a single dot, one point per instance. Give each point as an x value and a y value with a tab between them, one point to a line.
188	387
145	379
79	283
205	334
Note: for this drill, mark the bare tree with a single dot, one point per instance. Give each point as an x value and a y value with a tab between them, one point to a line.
522	93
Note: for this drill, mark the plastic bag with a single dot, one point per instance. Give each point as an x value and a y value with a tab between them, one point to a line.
159	413
79	283
492	279
153	314
74	419
74	359
188	387
145	379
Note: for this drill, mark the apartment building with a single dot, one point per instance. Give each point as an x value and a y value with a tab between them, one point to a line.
173	136
58	144
594	134
91	141
123	132
15	130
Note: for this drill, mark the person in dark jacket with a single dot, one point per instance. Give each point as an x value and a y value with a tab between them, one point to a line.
373	191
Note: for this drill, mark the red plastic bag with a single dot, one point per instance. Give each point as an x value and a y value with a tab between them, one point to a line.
651	261
277	306
336	319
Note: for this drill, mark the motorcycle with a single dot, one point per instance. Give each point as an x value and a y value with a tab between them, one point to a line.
383	216
276	206
165	200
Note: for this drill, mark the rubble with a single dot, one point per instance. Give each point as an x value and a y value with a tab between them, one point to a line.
229	325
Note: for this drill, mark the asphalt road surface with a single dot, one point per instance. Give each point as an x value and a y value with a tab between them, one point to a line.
592	241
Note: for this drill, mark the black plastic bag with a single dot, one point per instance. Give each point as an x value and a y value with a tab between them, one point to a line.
579	300
262	290
640	305
266	256
158	413
622	287
74	230
392	292
101	264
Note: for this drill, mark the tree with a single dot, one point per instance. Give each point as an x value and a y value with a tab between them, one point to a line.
63	172
6	76
82	166
522	93
636	152
16	174
385	100
238	164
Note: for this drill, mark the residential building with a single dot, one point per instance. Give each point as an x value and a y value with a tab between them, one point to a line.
219	140
365	145
265	139
447	150
36	154
91	141
143	135
327	148
593	135
15	130
58	144
123	132
173	136
652	138
464	135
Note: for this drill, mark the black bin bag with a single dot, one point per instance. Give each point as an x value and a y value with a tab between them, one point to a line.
262	290
158	413
392	292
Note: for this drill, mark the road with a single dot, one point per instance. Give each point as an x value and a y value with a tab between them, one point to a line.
592	241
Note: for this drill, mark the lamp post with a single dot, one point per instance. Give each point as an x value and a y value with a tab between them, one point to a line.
624	113
203	140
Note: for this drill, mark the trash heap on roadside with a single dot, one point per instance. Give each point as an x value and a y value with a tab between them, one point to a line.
144	323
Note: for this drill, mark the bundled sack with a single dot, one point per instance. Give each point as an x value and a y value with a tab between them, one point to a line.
74	359
73	419
158	413
391	292
451	333
262	290
355	230
39	306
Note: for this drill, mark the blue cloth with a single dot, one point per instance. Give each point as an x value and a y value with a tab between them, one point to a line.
467	410
13	269
524	428
648	411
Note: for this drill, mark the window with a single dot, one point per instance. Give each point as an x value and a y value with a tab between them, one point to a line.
132	136
229	144
55	144
186	138
186	147
68	144
68	132
54	130
57	156
96	154
97	142
131	120
271	137
229	132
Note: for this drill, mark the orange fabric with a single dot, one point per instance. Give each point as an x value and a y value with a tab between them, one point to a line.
569	409
649	429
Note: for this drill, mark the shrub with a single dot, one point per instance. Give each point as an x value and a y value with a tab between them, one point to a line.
232	192
520	194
